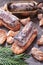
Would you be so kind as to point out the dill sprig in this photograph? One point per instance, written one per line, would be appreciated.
(8, 58)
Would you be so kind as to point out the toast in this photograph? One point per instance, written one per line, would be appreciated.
(3, 36)
(25, 21)
(41, 22)
(12, 33)
(37, 54)
(40, 41)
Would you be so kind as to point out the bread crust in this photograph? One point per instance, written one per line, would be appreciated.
(3, 36)
(37, 54)
(25, 21)
(40, 41)
(10, 40)
(41, 22)
(12, 33)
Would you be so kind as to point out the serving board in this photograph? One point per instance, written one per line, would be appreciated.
(31, 60)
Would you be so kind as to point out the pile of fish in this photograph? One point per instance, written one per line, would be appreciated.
(20, 40)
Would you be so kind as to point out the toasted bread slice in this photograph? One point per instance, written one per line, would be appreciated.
(12, 33)
(40, 41)
(37, 54)
(41, 22)
(25, 21)
(10, 40)
(10, 36)
(3, 36)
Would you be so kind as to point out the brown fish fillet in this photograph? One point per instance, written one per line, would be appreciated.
(24, 9)
(10, 21)
(23, 40)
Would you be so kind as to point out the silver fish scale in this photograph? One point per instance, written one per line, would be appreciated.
(25, 34)
(7, 17)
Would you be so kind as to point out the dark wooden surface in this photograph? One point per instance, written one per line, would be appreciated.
(2, 2)
(31, 60)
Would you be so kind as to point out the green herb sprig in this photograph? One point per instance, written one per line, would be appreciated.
(8, 58)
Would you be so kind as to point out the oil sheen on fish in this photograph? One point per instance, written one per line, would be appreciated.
(8, 19)
(24, 35)
(21, 7)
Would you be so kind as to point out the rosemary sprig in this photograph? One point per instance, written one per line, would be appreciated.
(8, 58)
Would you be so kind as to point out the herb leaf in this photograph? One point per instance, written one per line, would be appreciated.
(8, 58)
